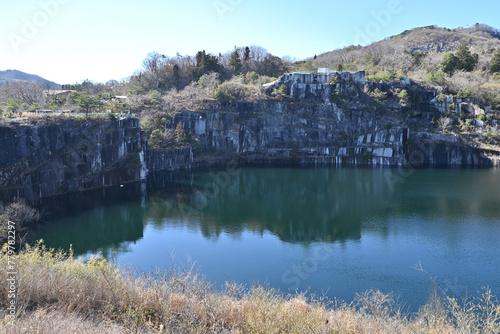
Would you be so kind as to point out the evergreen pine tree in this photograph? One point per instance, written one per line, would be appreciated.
(449, 63)
(246, 55)
(495, 63)
(235, 62)
(465, 59)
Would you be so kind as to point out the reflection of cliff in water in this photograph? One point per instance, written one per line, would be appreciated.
(452, 193)
(104, 229)
(297, 205)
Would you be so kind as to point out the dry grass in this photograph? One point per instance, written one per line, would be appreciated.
(60, 294)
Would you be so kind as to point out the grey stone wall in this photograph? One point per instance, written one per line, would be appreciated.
(323, 133)
(38, 161)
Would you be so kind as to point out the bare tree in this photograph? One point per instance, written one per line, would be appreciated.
(258, 53)
(23, 92)
(154, 62)
(444, 123)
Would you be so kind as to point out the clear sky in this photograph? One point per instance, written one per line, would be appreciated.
(67, 41)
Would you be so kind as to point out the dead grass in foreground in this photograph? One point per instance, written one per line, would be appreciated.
(60, 294)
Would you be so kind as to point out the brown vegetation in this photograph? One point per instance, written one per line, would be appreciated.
(18, 212)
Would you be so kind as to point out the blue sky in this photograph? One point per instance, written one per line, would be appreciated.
(67, 41)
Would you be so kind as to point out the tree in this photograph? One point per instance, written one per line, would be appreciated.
(155, 139)
(235, 62)
(206, 63)
(280, 92)
(87, 103)
(246, 54)
(23, 92)
(462, 60)
(273, 66)
(403, 97)
(153, 62)
(180, 134)
(257, 53)
(11, 105)
(378, 95)
(495, 63)
(35, 106)
(449, 63)
(176, 76)
(465, 59)
(444, 123)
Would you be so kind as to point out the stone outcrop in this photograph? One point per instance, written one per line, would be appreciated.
(169, 160)
(48, 160)
(322, 133)
(311, 133)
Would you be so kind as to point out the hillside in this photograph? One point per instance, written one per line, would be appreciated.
(401, 50)
(418, 54)
(15, 75)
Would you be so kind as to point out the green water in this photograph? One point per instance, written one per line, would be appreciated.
(333, 231)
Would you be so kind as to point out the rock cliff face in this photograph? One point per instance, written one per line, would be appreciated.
(322, 133)
(448, 150)
(308, 133)
(49, 160)
(169, 160)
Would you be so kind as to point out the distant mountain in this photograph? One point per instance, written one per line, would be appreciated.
(15, 75)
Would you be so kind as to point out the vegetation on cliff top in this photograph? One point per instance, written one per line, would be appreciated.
(456, 59)
(58, 293)
(461, 62)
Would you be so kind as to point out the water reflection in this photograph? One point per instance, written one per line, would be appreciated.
(296, 205)
(106, 229)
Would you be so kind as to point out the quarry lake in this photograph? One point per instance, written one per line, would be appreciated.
(332, 231)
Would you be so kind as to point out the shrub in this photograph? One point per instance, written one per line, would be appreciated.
(495, 63)
(155, 139)
(449, 63)
(377, 77)
(110, 116)
(436, 78)
(180, 134)
(466, 125)
(378, 95)
(251, 77)
(18, 212)
(280, 92)
(235, 91)
(444, 123)
(441, 98)
(464, 95)
(403, 97)
(209, 80)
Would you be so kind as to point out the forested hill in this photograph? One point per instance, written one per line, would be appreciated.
(15, 75)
